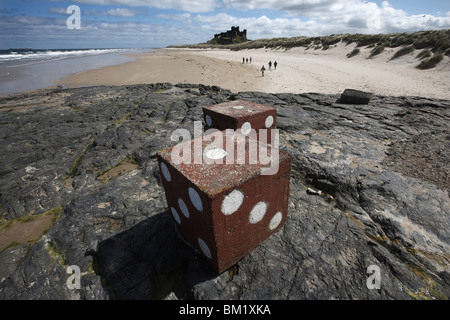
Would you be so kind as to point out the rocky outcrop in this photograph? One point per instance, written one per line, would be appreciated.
(369, 187)
(355, 96)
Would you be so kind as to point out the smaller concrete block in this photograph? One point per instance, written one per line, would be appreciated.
(240, 114)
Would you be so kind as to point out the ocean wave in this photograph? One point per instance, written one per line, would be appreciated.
(48, 54)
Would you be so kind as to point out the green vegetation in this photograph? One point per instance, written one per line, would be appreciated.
(403, 51)
(424, 54)
(123, 167)
(376, 51)
(431, 62)
(353, 53)
(74, 169)
(121, 120)
(6, 224)
(435, 41)
(429, 292)
(55, 213)
(166, 114)
(233, 40)
(55, 253)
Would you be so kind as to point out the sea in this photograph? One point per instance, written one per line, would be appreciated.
(27, 69)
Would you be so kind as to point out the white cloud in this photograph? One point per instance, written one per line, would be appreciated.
(301, 17)
(394, 20)
(257, 27)
(117, 12)
(183, 5)
(57, 10)
(198, 21)
(340, 16)
(183, 17)
(122, 12)
(39, 32)
(301, 7)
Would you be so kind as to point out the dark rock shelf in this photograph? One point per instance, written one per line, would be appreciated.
(381, 168)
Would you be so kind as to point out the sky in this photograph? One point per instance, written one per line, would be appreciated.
(48, 24)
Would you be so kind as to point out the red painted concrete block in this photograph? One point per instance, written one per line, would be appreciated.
(224, 206)
(241, 114)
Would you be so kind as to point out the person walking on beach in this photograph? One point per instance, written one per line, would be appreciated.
(251, 59)
(262, 70)
(275, 65)
(270, 64)
(243, 59)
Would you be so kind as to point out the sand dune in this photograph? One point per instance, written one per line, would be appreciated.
(299, 70)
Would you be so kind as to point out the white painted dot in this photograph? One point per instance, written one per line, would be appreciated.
(216, 154)
(208, 120)
(232, 202)
(195, 199)
(165, 172)
(269, 121)
(238, 107)
(204, 248)
(175, 215)
(274, 223)
(258, 212)
(183, 208)
(246, 128)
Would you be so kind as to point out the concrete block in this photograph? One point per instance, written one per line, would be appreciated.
(241, 114)
(223, 202)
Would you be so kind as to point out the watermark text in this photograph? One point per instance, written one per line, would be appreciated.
(227, 147)
(374, 279)
(74, 21)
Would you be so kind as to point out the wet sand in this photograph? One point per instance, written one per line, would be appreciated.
(174, 66)
(19, 76)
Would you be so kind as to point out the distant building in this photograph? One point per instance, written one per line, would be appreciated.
(231, 36)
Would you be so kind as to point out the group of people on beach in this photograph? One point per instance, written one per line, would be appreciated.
(247, 60)
(270, 67)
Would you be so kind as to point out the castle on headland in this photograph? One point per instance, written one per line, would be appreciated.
(231, 36)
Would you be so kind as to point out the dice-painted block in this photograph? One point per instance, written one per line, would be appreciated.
(241, 114)
(225, 209)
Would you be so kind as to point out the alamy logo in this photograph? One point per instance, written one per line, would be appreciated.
(74, 281)
(227, 147)
(374, 280)
(74, 21)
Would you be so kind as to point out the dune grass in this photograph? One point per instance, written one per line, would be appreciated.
(377, 50)
(353, 53)
(424, 54)
(431, 62)
(433, 40)
(436, 40)
(403, 51)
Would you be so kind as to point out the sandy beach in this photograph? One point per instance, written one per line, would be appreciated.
(299, 70)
